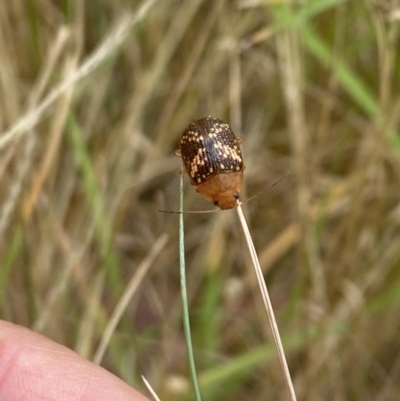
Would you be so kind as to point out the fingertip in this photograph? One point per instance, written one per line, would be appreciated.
(35, 367)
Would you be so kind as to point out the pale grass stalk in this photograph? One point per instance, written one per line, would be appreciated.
(89, 320)
(153, 393)
(56, 132)
(193, 62)
(55, 53)
(290, 60)
(151, 77)
(267, 304)
(46, 314)
(75, 254)
(235, 86)
(113, 41)
(14, 191)
(127, 296)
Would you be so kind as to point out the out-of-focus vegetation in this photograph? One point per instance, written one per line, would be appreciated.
(87, 159)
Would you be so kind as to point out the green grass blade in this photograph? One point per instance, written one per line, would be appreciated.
(353, 85)
(103, 226)
(11, 253)
(285, 19)
(185, 308)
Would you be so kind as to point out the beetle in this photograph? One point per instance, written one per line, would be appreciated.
(212, 158)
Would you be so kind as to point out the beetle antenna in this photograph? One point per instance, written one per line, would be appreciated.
(191, 212)
(266, 189)
(218, 210)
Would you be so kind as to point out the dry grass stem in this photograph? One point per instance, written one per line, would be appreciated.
(152, 392)
(127, 296)
(267, 304)
(110, 44)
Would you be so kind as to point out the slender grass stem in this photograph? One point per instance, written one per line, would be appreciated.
(185, 308)
(267, 304)
(148, 385)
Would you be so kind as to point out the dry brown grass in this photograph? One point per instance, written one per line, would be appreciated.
(93, 100)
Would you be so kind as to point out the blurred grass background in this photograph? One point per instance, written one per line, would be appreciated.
(94, 97)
